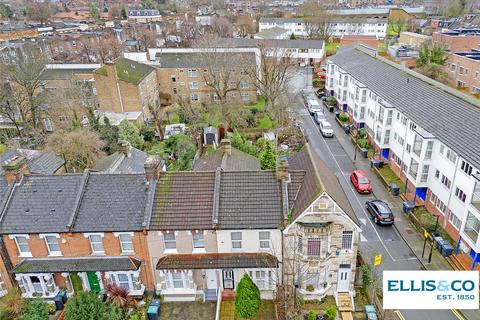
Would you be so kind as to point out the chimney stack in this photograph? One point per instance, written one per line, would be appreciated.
(227, 146)
(124, 147)
(15, 168)
(153, 167)
(282, 169)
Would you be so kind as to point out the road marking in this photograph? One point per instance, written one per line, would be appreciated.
(399, 315)
(457, 314)
(362, 238)
(363, 221)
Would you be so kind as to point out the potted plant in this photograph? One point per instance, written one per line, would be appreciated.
(310, 288)
(331, 102)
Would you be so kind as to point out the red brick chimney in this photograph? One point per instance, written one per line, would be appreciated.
(153, 167)
(15, 168)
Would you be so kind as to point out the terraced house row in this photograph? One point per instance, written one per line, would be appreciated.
(428, 133)
(185, 235)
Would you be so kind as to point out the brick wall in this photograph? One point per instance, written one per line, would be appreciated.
(456, 43)
(107, 91)
(77, 245)
(469, 75)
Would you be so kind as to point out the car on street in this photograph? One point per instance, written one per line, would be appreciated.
(360, 181)
(319, 117)
(326, 129)
(313, 106)
(320, 93)
(380, 212)
(308, 94)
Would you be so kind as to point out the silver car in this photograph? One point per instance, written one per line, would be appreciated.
(326, 129)
(319, 117)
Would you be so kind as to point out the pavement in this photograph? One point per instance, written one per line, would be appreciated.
(401, 245)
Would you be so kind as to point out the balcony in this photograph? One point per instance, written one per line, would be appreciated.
(472, 227)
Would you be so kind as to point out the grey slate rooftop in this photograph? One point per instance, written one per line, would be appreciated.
(46, 163)
(117, 162)
(268, 43)
(237, 161)
(197, 60)
(85, 202)
(452, 120)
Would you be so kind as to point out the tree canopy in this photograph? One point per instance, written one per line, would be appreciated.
(129, 132)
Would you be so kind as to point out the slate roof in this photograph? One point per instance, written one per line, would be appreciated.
(118, 163)
(83, 264)
(450, 119)
(269, 43)
(280, 20)
(9, 154)
(271, 33)
(90, 202)
(217, 261)
(47, 163)
(237, 161)
(183, 200)
(197, 59)
(318, 178)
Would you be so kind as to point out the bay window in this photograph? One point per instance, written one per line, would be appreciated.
(129, 280)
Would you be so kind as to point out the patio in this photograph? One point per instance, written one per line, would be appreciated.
(187, 310)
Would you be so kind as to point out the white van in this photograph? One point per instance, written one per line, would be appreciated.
(313, 106)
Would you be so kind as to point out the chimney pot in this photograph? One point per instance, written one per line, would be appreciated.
(124, 147)
(153, 167)
(15, 168)
(226, 146)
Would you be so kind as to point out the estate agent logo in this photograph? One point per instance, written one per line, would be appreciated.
(430, 289)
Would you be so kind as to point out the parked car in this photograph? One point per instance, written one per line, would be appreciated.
(326, 129)
(320, 93)
(360, 181)
(308, 94)
(380, 211)
(319, 117)
(303, 64)
(313, 106)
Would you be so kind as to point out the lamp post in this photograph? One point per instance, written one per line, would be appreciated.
(431, 247)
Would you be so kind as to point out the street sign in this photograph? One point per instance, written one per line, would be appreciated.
(378, 260)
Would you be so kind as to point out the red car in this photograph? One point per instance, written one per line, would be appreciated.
(321, 75)
(360, 181)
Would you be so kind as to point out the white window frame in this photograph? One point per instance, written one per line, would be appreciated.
(347, 235)
(22, 254)
(89, 236)
(135, 286)
(52, 253)
(192, 73)
(198, 248)
(194, 97)
(193, 85)
(265, 241)
(119, 236)
(263, 282)
(236, 240)
(244, 85)
(174, 241)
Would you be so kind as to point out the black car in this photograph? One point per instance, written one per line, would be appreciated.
(380, 211)
(320, 93)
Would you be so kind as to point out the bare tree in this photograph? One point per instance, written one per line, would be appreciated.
(146, 38)
(25, 76)
(157, 118)
(41, 12)
(222, 27)
(8, 108)
(273, 75)
(114, 12)
(193, 115)
(245, 27)
(109, 48)
(319, 25)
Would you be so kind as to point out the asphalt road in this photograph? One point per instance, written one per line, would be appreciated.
(374, 239)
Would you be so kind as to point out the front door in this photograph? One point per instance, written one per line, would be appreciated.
(228, 279)
(211, 275)
(344, 274)
(93, 282)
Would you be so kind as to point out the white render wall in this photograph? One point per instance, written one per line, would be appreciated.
(402, 128)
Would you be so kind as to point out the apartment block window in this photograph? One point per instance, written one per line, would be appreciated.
(439, 204)
(174, 90)
(460, 194)
(300, 244)
(437, 174)
(404, 120)
(314, 247)
(408, 148)
(446, 182)
(428, 152)
(466, 167)
(389, 117)
(454, 220)
(347, 238)
(22, 246)
(243, 72)
(460, 70)
(169, 240)
(194, 97)
(244, 85)
(236, 238)
(198, 241)
(472, 227)
(386, 138)
(424, 176)
(451, 156)
(174, 79)
(96, 243)
(453, 67)
(476, 75)
(126, 243)
(192, 73)
(264, 237)
(245, 96)
(193, 85)
(52, 245)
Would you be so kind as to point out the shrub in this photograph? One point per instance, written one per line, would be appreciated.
(265, 123)
(310, 288)
(363, 143)
(331, 312)
(362, 133)
(312, 315)
(118, 296)
(316, 83)
(36, 310)
(129, 132)
(366, 275)
(238, 141)
(85, 306)
(247, 298)
(343, 117)
(267, 157)
(331, 101)
(11, 305)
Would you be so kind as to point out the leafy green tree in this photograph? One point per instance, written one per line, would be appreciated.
(292, 36)
(431, 55)
(85, 306)
(129, 132)
(247, 298)
(178, 151)
(267, 157)
(36, 310)
(5, 11)
(241, 143)
(109, 135)
(123, 12)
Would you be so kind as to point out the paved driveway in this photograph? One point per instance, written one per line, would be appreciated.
(187, 310)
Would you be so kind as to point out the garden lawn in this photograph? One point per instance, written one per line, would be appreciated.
(260, 104)
(266, 312)
(320, 305)
(3, 148)
(391, 177)
(331, 47)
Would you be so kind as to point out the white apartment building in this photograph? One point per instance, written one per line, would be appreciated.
(428, 133)
(292, 25)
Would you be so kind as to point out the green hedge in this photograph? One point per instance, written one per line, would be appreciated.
(247, 298)
(343, 117)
